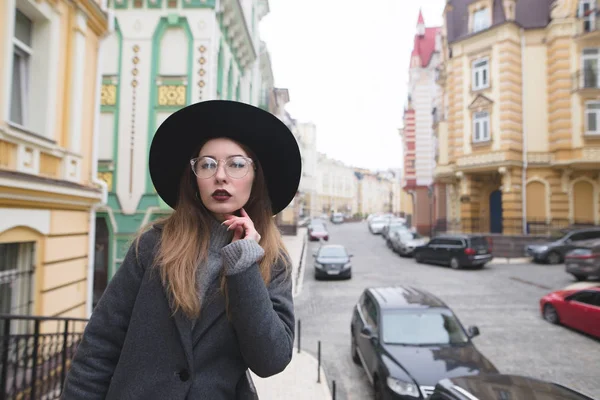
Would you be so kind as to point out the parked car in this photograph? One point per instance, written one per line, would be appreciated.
(504, 386)
(404, 242)
(377, 224)
(333, 260)
(392, 226)
(407, 340)
(317, 231)
(554, 251)
(457, 251)
(337, 218)
(584, 261)
(577, 309)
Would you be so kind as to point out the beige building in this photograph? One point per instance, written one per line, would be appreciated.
(377, 192)
(519, 138)
(49, 108)
(336, 186)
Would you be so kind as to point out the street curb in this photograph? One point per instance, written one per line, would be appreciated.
(324, 381)
(506, 260)
(299, 282)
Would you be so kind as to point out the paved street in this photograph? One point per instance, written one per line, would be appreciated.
(502, 300)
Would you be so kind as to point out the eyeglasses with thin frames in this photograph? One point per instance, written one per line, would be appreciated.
(236, 167)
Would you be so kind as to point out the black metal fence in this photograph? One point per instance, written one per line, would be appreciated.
(537, 227)
(35, 354)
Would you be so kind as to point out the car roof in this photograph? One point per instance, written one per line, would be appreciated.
(457, 236)
(404, 297)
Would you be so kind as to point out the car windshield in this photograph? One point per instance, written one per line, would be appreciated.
(318, 228)
(479, 241)
(332, 252)
(422, 328)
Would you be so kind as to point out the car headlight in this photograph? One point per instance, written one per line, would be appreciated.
(540, 249)
(403, 388)
(318, 265)
(347, 265)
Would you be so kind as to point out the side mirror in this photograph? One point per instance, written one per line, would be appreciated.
(473, 331)
(367, 332)
(315, 255)
(350, 255)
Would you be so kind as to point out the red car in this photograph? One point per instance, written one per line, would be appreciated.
(578, 309)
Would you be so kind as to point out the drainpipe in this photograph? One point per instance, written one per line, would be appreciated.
(95, 180)
(524, 126)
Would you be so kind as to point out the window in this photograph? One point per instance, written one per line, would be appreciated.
(590, 62)
(585, 297)
(587, 10)
(481, 127)
(481, 19)
(22, 52)
(592, 118)
(481, 74)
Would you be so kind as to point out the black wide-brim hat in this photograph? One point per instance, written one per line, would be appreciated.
(181, 134)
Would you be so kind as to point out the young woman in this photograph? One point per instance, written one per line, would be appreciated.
(205, 294)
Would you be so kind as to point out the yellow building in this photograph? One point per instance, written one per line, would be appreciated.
(49, 105)
(520, 109)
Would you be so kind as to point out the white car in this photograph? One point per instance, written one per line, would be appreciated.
(376, 225)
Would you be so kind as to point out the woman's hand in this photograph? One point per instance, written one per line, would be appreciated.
(243, 227)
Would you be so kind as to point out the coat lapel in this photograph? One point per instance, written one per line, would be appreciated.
(184, 325)
(212, 310)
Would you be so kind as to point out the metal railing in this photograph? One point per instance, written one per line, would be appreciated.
(35, 354)
(538, 227)
(586, 79)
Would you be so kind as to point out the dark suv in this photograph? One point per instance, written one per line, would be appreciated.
(554, 251)
(457, 251)
(407, 340)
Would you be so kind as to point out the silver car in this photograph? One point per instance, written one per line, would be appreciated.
(584, 261)
(404, 242)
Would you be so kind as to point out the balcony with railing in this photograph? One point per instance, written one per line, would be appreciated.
(35, 354)
(586, 79)
(588, 20)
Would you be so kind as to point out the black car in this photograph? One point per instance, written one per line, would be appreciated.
(554, 251)
(333, 261)
(407, 340)
(457, 251)
(499, 386)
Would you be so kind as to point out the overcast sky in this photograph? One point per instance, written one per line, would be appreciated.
(345, 63)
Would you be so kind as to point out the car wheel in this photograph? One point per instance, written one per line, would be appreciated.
(354, 351)
(550, 314)
(454, 263)
(553, 258)
(419, 258)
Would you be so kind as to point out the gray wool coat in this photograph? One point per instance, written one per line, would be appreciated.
(134, 349)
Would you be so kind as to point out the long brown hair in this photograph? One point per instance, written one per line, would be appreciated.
(183, 247)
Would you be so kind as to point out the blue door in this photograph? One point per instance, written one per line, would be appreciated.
(496, 212)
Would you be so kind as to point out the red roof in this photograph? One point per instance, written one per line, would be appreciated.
(424, 46)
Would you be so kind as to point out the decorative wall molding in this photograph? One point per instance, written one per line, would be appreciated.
(481, 159)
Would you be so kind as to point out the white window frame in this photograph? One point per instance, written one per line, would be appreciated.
(589, 21)
(590, 56)
(481, 119)
(478, 71)
(25, 53)
(481, 19)
(595, 111)
(42, 69)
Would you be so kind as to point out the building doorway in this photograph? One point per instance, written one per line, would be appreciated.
(101, 256)
(496, 211)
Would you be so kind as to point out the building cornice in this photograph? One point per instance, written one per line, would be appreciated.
(97, 17)
(238, 32)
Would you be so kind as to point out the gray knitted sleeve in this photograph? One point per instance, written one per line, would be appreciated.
(240, 255)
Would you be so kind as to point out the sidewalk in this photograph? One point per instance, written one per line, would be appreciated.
(299, 379)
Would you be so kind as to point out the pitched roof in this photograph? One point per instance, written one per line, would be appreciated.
(530, 14)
